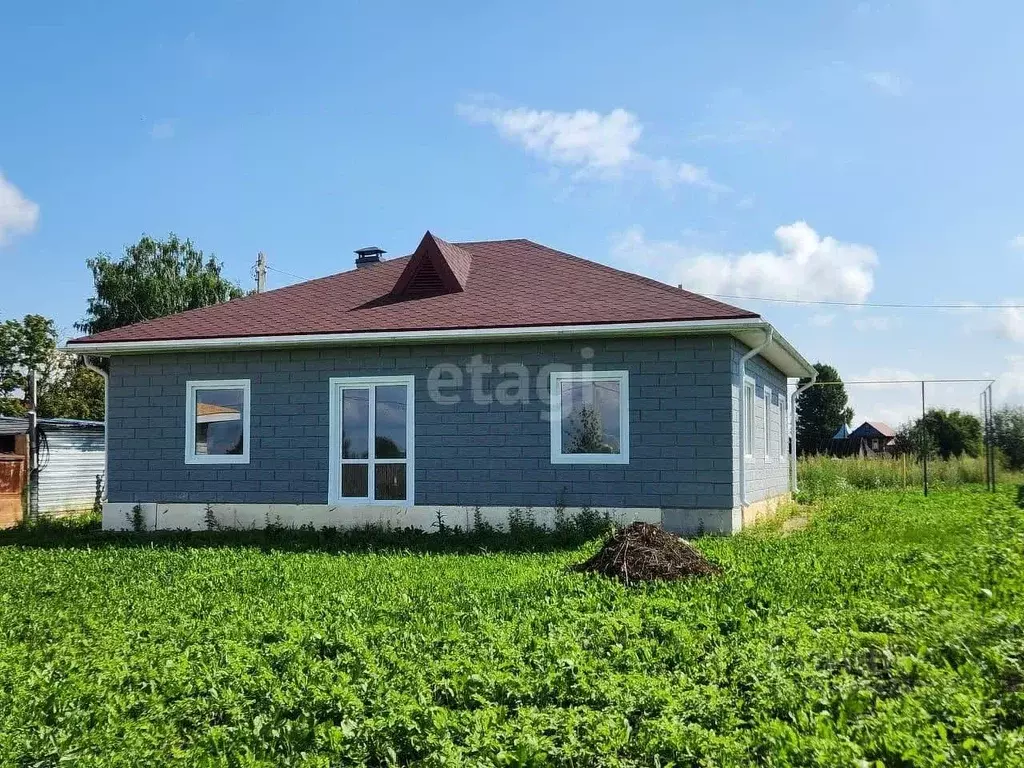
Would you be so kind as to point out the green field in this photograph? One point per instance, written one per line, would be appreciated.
(889, 632)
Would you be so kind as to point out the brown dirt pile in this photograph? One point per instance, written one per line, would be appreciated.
(646, 552)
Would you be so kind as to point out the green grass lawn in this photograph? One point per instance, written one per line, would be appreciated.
(889, 632)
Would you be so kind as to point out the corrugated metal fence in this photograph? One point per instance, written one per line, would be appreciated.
(67, 478)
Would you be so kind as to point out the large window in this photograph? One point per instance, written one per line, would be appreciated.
(767, 423)
(748, 417)
(590, 417)
(217, 422)
(371, 440)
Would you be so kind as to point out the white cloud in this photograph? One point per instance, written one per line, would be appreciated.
(582, 138)
(18, 214)
(823, 320)
(896, 404)
(888, 83)
(757, 131)
(1010, 323)
(162, 129)
(1009, 385)
(593, 143)
(806, 266)
(1017, 242)
(872, 323)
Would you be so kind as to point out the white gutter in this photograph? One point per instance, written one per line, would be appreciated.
(106, 418)
(405, 337)
(798, 366)
(769, 333)
(792, 421)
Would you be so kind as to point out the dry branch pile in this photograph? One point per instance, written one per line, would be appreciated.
(646, 552)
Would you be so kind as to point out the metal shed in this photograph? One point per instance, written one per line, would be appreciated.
(70, 459)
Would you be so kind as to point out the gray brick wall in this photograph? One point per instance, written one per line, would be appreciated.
(767, 468)
(681, 423)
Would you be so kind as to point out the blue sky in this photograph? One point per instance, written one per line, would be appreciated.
(667, 138)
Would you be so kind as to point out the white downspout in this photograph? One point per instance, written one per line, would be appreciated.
(769, 334)
(106, 419)
(792, 422)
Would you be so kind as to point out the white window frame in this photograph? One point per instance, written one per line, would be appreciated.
(783, 432)
(767, 392)
(191, 457)
(748, 416)
(557, 378)
(335, 386)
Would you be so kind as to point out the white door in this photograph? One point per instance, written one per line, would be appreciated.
(372, 446)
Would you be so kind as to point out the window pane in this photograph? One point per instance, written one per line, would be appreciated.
(748, 427)
(590, 417)
(355, 480)
(390, 421)
(389, 482)
(219, 425)
(355, 424)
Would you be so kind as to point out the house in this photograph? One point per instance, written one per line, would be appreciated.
(490, 375)
(873, 438)
(69, 460)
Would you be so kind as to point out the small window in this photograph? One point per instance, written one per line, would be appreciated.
(783, 429)
(590, 417)
(748, 417)
(217, 422)
(767, 422)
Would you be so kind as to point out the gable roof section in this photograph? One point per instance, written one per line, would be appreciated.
(435, 267)
(870, 428)
(515, 283)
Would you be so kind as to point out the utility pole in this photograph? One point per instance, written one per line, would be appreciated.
(924, 442)
(33, 442)
(261, 272)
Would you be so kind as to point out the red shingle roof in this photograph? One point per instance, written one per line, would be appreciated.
(510, 283)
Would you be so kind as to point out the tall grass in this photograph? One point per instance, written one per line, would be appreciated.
(821, 476)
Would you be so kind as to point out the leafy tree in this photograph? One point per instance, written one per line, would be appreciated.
(154, 278)
(1008, 428)
(821, 410)
(24, 345)
(71, 392)
(946, 434)
(586, 431)
(64, 387)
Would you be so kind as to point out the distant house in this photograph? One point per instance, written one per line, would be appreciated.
(873, 438)
(464, 378)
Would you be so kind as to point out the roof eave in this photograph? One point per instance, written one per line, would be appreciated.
(781, 353)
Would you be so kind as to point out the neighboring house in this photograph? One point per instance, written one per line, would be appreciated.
(873, 438)
(419, 386)
(70, 458)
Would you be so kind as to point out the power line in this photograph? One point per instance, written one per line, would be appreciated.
(866, 304)
(905, 381)
(283, 272)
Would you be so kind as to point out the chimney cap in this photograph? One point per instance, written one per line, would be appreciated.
(369, 255)
(370, 250)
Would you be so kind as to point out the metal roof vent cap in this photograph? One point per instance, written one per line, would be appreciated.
(369, 256)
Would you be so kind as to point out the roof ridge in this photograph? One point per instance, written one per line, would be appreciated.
(649, 281)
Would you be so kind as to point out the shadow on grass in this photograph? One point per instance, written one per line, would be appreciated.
(524, 537)
(1020, 496)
